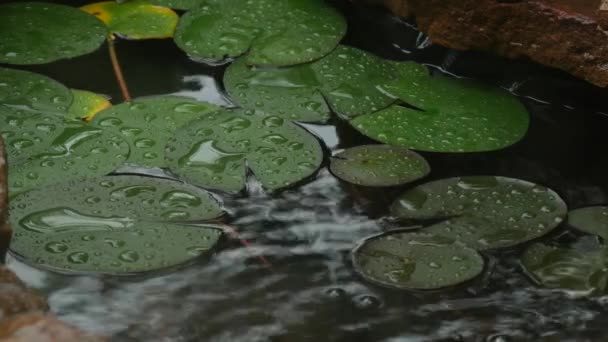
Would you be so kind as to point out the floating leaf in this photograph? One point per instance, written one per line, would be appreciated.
(350, 80)
(455, 116)
(72, 150)
(379, 165)
(31, 92)
(215, 150)
(37, 33)
(116, 224)
(86, 104)
(135, 19)
(28, 134)
(484, 212)
(562, 268)
(177, 4)
(147, 123)
(271, 32)
(592, 220)
(416, 261)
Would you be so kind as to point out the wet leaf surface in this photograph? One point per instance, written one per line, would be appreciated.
(271, 32)
(147, 123)
(136, 19)
(117, 224)
(592, 220)
(86, 104)
(216, 150)
(177, 4)
(416, 261)
(568, 269)
(38, 33)
(484, 212)
(378, 165)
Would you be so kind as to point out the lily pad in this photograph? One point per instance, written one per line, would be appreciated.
(350, 80)
(215, 150)
(561, 268)
(177, 4)
(379, 165)
(72, 150)
(86, 104)
(40, 32)
(148, 122)
(412, 261)
(135, 19)
(484, 212)
(118, 224)
(455, 116)
(592, 220)
(271, 32)
(30, 92)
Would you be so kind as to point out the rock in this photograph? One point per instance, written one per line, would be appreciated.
(5, 231)
(16, 298)
(571, 35)
(41, 328)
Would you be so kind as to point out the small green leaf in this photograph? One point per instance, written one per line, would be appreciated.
(483, 212)
(271, 32)
(148, 122)
(412, 261)
(40, 32)
(30, 92)
(118, 224)
(215, 150)
(86, 104)
(560, 268)
(455, 116)
(67, 150)
(379, 165)
(592, 220)
(135, 19)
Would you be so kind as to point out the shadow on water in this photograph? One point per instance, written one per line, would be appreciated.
(311, 292)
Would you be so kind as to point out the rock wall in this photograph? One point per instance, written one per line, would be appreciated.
(571, 35)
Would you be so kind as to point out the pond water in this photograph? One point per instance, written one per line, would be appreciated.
(311, 293)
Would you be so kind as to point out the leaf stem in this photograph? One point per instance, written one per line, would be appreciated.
(118, 71)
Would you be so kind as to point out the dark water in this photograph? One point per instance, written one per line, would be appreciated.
(311, 292)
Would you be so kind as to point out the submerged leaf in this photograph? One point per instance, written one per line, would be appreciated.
(567, 269)
(379, 165)
(215, 150)
(592, 220)
(147, 123)
(416, 261)
(135, 19)
(30, 92)
(271, 32)
(483, 212)
(118, 224)
(455, 116)
(40, 32)
(86, 104)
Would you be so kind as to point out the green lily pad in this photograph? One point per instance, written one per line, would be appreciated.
(148, 122)
(271, 32)
(592, 220)
(350, 80)
(72, 150)
(40, 32)
(28, 91)
(413, 261)
(149, 247)
(379, 165)
(177, 4)
(86, 105)
(455, 116)
(135, 19)
(118, 224)
(28, 135)
(561, 268)
(484, 212)
(216, 150)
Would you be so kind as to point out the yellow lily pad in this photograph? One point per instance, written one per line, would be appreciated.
(135, 19)
(86, 104)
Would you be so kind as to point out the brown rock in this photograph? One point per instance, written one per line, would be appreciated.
(15, 297)
(571, 35)
(41, 328)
